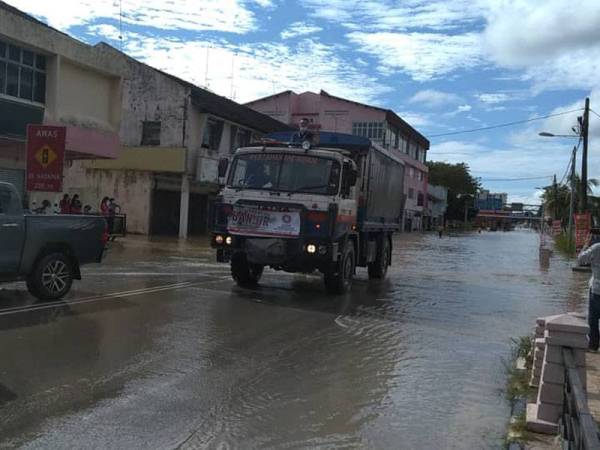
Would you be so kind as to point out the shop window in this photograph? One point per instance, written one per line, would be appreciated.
(411, 193)
(151, 132)
(420, 198)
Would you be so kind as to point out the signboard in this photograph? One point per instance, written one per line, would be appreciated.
(45, 157)
(583, 225)
(556, 227)
(258, 222)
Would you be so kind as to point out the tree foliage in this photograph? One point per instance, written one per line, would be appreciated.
(462, 187)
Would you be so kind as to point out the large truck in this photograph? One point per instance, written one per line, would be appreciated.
(329, 202)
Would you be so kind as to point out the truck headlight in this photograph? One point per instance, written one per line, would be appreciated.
(228, 240)
(219, 239)
(311, 248)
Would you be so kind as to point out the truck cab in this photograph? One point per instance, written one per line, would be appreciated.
(293, 208)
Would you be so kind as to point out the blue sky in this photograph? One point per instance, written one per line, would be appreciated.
(442, 66)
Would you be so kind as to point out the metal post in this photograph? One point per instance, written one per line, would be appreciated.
(573, 189)
(466, 213)
(555, 190)
(584, 155)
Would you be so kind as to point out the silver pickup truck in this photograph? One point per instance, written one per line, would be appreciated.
(46, 251)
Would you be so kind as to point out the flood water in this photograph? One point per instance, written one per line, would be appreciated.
(414, 362)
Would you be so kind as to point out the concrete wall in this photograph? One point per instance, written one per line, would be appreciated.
(131, 189)
(278, 107)
(149, 95)
(86, 97)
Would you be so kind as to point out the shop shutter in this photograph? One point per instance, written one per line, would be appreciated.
(14, 177)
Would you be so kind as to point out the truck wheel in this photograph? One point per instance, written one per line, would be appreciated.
(51, 277)
(378, 268)
(243, 272)
(340, 282)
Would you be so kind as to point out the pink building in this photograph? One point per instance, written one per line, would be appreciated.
(382, 126)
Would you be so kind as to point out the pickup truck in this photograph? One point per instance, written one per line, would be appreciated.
(46, 251)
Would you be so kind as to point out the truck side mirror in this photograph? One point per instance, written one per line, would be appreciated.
(223, 164)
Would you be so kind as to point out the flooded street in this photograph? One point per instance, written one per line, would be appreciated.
(157, 348)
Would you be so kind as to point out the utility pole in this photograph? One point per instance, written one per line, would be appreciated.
(584, 155)
(555, 191)
(466, 212)
(573, 189)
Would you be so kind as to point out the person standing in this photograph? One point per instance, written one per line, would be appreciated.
(590, 254)
(113, 209)
(104, 207)
(65, 204)
(75, 205)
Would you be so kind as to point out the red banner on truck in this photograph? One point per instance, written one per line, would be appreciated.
(583, 226)
(45, 157)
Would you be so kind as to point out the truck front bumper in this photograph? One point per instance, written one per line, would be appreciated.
(297, 254)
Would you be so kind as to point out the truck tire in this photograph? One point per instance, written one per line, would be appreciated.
(243, 272)
(340, 282)
(378, 268)
(52, 277)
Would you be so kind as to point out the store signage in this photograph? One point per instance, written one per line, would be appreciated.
(45, 157)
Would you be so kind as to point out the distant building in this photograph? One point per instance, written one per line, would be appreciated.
(438, 203)
(487, 200)
(382, 126)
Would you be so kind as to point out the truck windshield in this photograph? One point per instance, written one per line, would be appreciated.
(284, 172)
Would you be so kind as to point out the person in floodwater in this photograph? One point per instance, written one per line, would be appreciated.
(590, 254)
(440, 230)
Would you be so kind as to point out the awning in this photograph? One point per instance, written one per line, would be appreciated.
(89, 143)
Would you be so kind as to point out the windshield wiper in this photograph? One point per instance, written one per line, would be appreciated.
(304, 188)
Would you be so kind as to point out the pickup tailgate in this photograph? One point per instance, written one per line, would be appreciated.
(83, 235)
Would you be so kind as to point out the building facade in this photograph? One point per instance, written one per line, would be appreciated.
(172, 136)
(144, 137)
(383, 126)
(44, 75)
(487, 200)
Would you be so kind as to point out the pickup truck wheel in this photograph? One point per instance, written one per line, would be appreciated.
(340, 282)
(51, 278)
(378, 268)
(243, 272)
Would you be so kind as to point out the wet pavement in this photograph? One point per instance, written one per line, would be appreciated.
(157, 348)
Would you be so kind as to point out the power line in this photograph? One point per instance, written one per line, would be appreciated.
(516, 179)
(502, 125)
(594, 112)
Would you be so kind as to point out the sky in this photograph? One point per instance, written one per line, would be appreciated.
(443, 66)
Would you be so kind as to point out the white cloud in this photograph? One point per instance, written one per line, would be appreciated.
(557, 43)
(432, 98)
(423, 56)
(299, 29)
(219, 15)
(464, 108)
(258, 69)
(493, 98)
(414, 119)
(385, 15)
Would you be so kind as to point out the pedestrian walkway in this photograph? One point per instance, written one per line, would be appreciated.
(593, 384)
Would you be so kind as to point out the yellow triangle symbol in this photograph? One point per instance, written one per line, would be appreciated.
(45, 156)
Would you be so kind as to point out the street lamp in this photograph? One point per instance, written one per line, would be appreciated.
(546, 134)
(581, 132)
